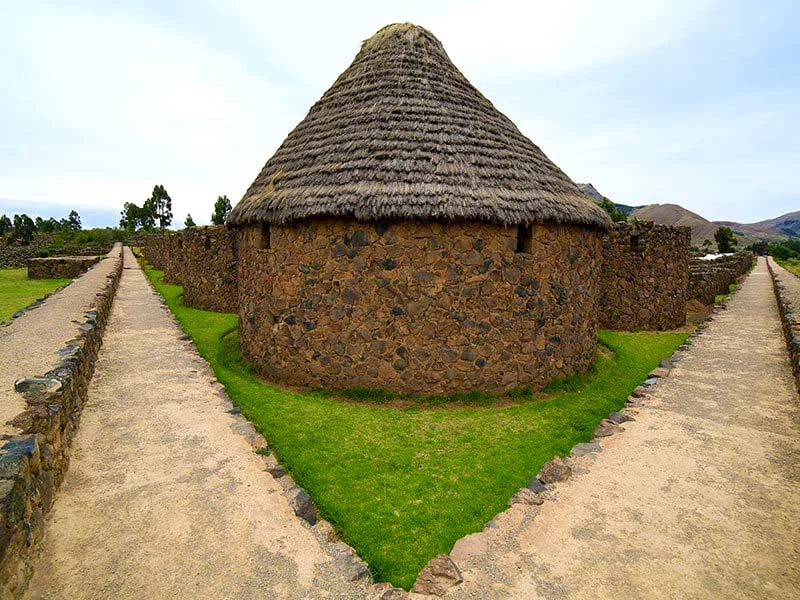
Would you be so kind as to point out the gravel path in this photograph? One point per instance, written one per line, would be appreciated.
(29, 343)
(162, 498)
(698, 498)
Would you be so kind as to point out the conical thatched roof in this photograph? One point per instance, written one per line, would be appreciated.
(403, 134)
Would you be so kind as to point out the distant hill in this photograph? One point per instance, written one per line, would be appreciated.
(703, 229)
(591, 192)
(787, 225)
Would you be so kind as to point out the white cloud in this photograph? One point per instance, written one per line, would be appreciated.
(135, 106)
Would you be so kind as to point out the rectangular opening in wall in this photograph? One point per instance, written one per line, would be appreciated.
(636, 243)
(525, 238)
(263, 237)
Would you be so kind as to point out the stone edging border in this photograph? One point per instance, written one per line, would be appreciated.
(33, 464)
(790, 320)
(441, 573)
(351, 566)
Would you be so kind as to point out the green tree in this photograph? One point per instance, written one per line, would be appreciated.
(782, 252)
(161, 205)
(707, 245)
(222, 208)
(24, 228)
(129, 217)
(189, 222)
(73, 221)
(616, 214)
(5, 225)
(726, 241)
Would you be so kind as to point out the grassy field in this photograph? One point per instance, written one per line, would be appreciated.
(791, 264)
(403, 485)
(17, 291)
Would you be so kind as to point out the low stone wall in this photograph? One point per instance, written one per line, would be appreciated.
(64, 267)
(787, 292)
(202, 260)
(707, 278)
(33, 464)
(16, 257)
(645, 277)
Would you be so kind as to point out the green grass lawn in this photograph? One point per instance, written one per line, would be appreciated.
(17, 291)
(403, 485)
(790, 264)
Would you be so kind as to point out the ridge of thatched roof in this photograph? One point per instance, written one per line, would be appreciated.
(402, 134)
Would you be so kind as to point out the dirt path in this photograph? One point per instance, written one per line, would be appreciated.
(28, 345)
(698, 498)
(162, 498)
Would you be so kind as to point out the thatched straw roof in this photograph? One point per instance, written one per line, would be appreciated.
(403, 134)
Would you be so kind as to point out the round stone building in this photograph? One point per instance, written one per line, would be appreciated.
(406, 236)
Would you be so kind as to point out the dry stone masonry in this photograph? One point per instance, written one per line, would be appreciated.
(63, 267)
(644, 277)
(202, 260)
(708, 278)
(417, 307)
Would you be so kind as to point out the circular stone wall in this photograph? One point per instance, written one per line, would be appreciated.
(417, 307)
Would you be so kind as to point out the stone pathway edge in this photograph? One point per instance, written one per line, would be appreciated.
(33, 464)
(442, 572)
(347, 560)
(790, 319)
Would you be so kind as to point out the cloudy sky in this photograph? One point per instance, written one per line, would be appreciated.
(695, 102)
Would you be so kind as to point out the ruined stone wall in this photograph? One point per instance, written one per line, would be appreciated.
(645, 277)
(209, 268)
(65, 267)
(202, 260)
(13, 256)
(430, 308)
(707, 278)
(165, 252)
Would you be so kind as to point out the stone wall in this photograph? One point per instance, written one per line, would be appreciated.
(165, 252)
(645, 276)
(33, 464)
(430, 308)
(209, 268)
(708, 278)
(202, 260)
(13, 256)
(64, 267)
(787, 292)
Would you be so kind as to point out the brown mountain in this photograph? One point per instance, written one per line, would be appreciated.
(703, 229)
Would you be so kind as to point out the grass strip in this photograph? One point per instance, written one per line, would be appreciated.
(17, 291)
(403, 485)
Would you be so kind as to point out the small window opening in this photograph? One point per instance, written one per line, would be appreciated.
(207, 243)
(524, 238)
(636, 243)
(263, 238)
